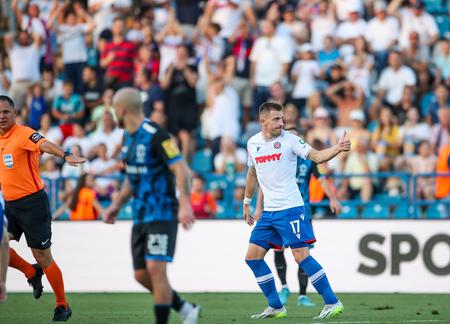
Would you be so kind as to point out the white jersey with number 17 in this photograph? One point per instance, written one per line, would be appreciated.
(275, 162)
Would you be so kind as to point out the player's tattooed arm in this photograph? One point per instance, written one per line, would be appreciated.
(183, 178)
(125, 193)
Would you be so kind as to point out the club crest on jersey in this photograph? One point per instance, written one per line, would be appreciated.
(8, 160)
(140, 153)
(277, 145)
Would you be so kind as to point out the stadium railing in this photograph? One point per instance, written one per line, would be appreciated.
(404, 204)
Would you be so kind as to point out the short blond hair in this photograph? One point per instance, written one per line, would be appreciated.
(130, 99)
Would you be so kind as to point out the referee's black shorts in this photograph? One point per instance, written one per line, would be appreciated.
(31, 215)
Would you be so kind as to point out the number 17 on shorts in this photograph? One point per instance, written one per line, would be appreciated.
(295, 224)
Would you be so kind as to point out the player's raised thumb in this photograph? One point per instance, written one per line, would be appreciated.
(344, 137)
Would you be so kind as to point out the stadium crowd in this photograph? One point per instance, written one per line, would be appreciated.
(378, 70)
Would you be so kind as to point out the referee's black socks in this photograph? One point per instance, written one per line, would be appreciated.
(162, 313)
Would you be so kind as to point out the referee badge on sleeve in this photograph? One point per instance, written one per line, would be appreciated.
(8, 160)
(35, 137)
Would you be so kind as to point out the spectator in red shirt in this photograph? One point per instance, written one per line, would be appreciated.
(203, 203)
(118, 57)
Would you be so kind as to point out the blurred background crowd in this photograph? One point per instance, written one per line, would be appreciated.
(379, 70)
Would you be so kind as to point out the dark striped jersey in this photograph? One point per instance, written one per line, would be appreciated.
(122, 66)
(305, 168)
(147, 154)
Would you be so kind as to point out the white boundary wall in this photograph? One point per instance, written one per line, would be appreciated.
(96, 257)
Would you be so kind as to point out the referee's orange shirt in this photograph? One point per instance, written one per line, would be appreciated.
(19, 164)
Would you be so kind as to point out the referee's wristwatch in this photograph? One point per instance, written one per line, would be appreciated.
(66, 154)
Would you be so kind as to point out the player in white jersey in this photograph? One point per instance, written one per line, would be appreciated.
(4, 251)
(272, 162)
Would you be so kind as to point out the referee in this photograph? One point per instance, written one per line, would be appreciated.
(27, 207)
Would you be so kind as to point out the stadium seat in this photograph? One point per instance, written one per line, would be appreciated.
(202, 161)
(348, 212)
(376, 210)
(64, 216)
(435, 6)
(437, 211)
(222, 210)
(402, 211)
(443, 23)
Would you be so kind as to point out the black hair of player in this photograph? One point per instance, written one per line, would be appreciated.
(267, 107)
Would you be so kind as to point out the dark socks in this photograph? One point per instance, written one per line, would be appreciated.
(280, 265)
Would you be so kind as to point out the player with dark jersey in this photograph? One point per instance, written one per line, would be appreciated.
(153, 162)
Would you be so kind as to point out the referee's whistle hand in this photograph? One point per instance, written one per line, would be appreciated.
(74, 160)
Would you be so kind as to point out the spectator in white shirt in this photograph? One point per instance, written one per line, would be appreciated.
(418, 20)
(442, 58)
(78, 138)
(348, 30)
(109, 134)
(104, 12)
(221, 115)
(168, 39)
(104, 168)
(394, 79)
(304, 74)
(53, 87)
(322, 25)
(24, 58)
(382, 33)
(344, 7)
(29, 19)
(5, 78)
(270, 60)
(227, 14)
(413, 131)
(416, 55)
(231, 159)
(74, 24)
(292, 30)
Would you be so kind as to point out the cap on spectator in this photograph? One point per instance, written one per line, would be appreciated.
(321, 112)
(357, 115)
(289, 8)
(354, 7)
(379, 6)
(307, 47)
(418, 4)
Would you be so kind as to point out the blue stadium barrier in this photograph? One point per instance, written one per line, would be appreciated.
(202, 162)
(382, 206)
(376, 210)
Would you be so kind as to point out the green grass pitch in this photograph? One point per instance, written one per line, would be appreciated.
(222, 308)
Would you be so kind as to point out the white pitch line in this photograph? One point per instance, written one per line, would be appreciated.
(370, 322)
